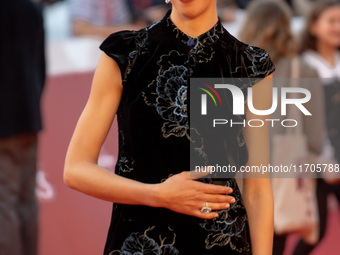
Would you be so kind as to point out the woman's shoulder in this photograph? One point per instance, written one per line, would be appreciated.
(125, 46)
(121, 46)
(126, 41)
(122, 40)
(256, 61)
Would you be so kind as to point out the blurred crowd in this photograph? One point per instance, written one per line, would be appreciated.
(90, 17)
(104, 17)
(313, 54)
(100, 18)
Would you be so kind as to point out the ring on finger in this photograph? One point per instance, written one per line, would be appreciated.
(206, 209)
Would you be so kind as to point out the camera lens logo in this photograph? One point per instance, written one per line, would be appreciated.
(204, 98)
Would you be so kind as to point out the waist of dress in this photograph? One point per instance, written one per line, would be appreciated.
(151, 215)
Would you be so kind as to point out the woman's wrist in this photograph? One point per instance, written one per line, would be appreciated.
(154, 198)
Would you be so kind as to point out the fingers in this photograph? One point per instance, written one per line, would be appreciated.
(218, 198)
(213, 188)
(208, 188)
(214, 207)
(196, 195)
(223, 203)
(207, 216)
(194, 175)
(218, 206)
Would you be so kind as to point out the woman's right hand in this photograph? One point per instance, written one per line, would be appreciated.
(182, 194)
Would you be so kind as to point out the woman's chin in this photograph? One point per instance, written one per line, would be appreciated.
(193, 8)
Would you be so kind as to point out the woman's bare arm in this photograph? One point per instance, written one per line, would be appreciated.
(257, 193)
(178, 193)
(81, 169)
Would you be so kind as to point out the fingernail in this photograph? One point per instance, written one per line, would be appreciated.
(232, 200)
(227, 206)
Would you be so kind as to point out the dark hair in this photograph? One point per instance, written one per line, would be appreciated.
(267, 26)
(308, 41)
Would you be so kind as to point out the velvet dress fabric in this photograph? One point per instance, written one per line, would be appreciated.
(156, 64)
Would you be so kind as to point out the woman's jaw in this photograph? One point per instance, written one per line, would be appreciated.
(194, 9)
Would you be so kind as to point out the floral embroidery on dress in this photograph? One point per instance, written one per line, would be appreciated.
(140, 244)
(172, 91)
(261, 63)
(200, 54)
(226, 229)
(172, 60)
(168, 94)
(125, 163)
(169, 91)
(171, 102)
(141, 41)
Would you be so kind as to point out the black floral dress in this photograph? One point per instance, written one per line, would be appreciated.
(156, 64)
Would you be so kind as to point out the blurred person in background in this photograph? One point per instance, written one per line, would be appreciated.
(299, 7)
(22, 75)
(242, 3)
(100, 17)
(320, 49)
(227, 10)
(267, 25)
(147, 12)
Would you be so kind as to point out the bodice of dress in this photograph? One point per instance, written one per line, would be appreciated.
(156, 64)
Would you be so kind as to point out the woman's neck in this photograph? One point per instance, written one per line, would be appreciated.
(195, 26)
(327, 52)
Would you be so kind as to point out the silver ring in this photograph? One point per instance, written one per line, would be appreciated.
(206, 209)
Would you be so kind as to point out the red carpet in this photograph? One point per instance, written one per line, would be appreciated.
(75, 224)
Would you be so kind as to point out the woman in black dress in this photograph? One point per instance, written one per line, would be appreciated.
(143, 77)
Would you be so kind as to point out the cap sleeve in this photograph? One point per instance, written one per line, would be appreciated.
(254, 65)
(257, 63)
(120, 47)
